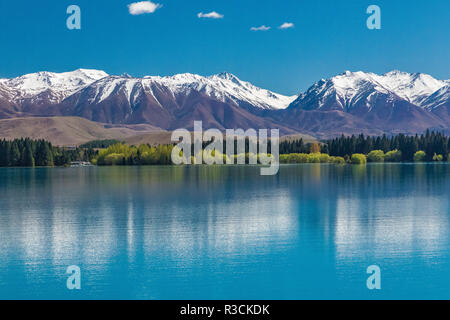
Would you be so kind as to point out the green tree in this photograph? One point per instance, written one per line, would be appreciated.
(5, 148)
(420, 156)
(44, 156)
(27, 156)
(438, 157)
(375, 156)
(358, 158)
(14, 159)
(393, 156)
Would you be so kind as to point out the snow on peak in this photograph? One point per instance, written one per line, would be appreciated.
(89, 73)
(440, 97)
(61, 84)
(351, 81)
(107, 86)
(225, 87)
(413, 87)
(348, 86)
(226, 76)
(350, 89)
(249, 93)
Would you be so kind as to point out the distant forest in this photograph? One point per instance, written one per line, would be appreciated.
(39, 153)
(99, 144)
(430, 146)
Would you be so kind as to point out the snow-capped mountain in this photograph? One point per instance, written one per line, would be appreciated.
(438, 99)
(412, 87)
(439, 103)
(61, 85)
(223, 87)
(160, 101)
(392, 102)
(350, 90)
(226, 87)
(351, 102)
(165, 101)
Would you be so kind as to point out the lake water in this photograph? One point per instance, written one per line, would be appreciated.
(226, 232)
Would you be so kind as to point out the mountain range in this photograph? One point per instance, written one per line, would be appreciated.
(349, 103)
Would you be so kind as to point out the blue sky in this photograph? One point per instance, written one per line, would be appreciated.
(328, 38)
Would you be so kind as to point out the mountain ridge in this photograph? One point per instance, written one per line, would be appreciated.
(347, 103)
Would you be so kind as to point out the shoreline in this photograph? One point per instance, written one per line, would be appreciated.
(235, 165)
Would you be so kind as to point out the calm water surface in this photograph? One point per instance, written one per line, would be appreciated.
(226, 232)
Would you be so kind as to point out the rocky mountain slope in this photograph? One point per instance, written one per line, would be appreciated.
(351, 102)
(393, 102)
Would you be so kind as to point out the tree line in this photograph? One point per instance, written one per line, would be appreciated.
(431, 146)
(26, 152)
(99, 144)
(122, 154)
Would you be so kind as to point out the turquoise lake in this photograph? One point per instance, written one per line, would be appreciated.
(226, 232)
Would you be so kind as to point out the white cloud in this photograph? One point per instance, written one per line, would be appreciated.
(142, 7)
(210, 15)
(262, 28)
(287, 25)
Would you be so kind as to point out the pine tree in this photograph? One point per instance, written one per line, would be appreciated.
(4, 153)
(14, 159)
(44, 156)
(28, 159)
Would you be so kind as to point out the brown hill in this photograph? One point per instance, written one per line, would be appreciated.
(68, 131)
(164, 137)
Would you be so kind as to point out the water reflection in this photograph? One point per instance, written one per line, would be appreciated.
(406, 232)
(135, 229)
